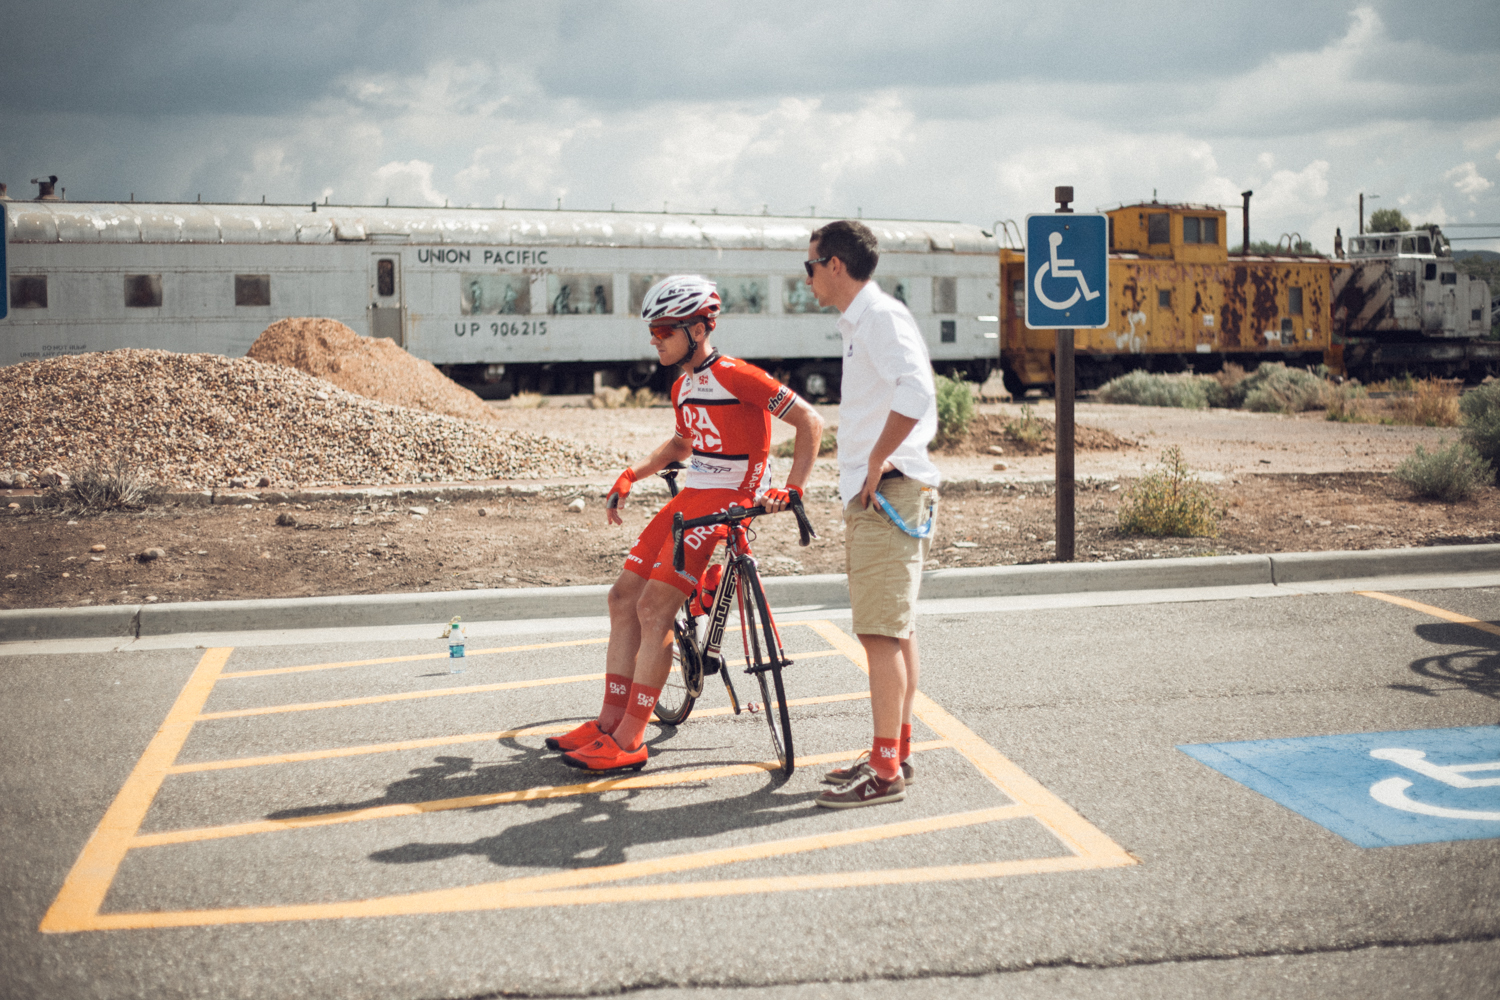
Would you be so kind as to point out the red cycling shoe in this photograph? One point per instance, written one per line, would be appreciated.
(604, 754)
(576, 739)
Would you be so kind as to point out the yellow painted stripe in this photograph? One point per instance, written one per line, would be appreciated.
(273, 671)
(1428, 609)
(314, 706)
(87, 883)
(443, 741)
(1063, 820)
(660, 779)
(562, 888)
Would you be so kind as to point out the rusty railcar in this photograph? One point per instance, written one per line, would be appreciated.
(1178, 301)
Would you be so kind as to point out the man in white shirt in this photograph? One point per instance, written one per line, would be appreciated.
(887, 415)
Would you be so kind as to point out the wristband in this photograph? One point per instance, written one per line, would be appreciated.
(621, 489)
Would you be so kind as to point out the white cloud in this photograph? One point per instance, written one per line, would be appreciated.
(408, 183)
(1466, 178)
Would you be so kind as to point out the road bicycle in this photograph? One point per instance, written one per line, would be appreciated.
(699, 628)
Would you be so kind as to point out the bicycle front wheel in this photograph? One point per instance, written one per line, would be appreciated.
(685, 682)
(763, 657)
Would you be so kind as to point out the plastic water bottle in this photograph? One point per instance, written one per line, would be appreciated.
(454, 633)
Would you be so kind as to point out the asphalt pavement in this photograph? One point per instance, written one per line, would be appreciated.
(1117, 795)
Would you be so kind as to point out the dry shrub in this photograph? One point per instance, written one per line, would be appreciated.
(1170, 502)
(955, 408)
(1275, 388)
(105, 484)
(614, 398)
(1149, 389)
(1028, 430)
(1349, 403)
(1481, 410)
(528, 401)
(1452, 473)
(1433, 403)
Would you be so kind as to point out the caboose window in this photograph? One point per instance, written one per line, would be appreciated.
(1294, 301)
(1191, 225)
(1159, 228)
(28, 291)
(1164, 298)
(1211, 231)
(252, 289)
(142, 291)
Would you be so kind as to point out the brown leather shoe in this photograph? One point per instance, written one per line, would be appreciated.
(868, 789)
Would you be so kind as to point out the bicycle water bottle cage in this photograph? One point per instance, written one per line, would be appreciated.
(925, 531)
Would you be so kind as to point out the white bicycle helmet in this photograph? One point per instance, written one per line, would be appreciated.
(682, 296)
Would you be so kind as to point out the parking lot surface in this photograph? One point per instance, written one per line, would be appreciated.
(320, 816)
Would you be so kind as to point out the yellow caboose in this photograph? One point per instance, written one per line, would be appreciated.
(1179, 301)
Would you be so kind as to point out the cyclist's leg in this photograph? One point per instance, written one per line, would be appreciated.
(619, 664)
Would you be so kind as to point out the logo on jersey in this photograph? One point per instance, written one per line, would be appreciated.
(778, 399)
(703, 379)
(706, 437)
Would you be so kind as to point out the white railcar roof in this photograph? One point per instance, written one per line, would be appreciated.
(90, 222)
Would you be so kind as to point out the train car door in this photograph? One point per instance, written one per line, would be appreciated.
(387, 306)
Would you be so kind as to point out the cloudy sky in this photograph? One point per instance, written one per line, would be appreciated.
(951, 110)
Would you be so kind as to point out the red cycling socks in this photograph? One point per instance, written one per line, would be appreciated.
(884, 759)
(616, 695)
(905, 751)
(632, 729)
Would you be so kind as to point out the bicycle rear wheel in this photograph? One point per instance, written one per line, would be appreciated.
(763, 657)
(685, 683)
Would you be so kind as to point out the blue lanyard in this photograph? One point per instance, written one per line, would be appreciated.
(885, 505)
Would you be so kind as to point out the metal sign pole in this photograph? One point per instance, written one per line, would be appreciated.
(1062, 394)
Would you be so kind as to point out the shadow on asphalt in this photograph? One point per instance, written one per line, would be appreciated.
(594, 833)
(1475, 668)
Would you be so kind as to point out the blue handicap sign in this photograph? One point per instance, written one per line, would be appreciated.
(1420, 786)
(1067, 271)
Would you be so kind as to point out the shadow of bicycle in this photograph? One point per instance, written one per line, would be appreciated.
(1476, 667)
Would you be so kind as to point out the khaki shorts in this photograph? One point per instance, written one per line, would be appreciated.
(884, 563)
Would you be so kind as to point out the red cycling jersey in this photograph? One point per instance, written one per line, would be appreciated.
(724, 409)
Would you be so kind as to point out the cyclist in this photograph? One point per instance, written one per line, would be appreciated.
(724, 409)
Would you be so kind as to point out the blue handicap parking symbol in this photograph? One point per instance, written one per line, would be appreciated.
(1067, 271)
(1420, 786)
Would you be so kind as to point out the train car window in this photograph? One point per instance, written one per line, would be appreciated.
(1018, 297)
(252, 289)
(640, 284)
(1408, 244)
(1111, 232)
(1164, 298)
(1287, 333)
(945, 295)
(948, 331)
(580, 294)
(1429, 272)
(1389, 246)
(1191, 226)
(1211, 231)
(1294, 301)
(28, 291)
(741, 294)
(1476, 315)
(796, 297)
(1159, 228)
(895, 288)
(1449, 278)
(142, 291)
(1424, 245)
(494, 294)
(385, 277)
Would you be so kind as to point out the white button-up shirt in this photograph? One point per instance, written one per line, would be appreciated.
(886, 367)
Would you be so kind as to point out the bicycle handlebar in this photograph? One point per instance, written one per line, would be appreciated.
(733, 515)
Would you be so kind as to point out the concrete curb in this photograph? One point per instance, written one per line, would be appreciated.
(828, 590)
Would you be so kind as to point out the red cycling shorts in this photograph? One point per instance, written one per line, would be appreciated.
(651, 555)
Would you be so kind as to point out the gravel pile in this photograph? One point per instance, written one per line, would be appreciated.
(370, 366)
(197, 421)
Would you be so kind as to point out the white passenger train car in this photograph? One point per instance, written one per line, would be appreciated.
(503, 299)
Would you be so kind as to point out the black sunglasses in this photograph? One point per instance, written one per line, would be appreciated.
(808, 264)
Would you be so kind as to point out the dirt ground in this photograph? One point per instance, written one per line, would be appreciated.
(1285, 484)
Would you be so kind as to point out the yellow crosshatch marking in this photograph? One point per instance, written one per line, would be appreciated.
(78, 905)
